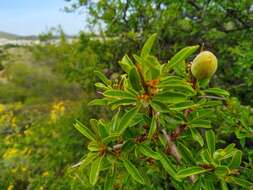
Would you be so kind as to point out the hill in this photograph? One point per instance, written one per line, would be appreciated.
(9, 36)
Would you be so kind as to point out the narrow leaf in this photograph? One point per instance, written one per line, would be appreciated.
(197, 136)
(201, 123)
(108, 185)
(93, 146)
(239, 181)
(135, 79)
(236, 159)
(210, 140)
(118, 94)
(102, 77)
(186, 153)
(94, 171)
(145, 150)
(167, 165)
(133, 171)
(170, 97)
(180, 56)
(217, 91)
(127, 119)
(126, 64)
(183, 173)
(221, 171)
(88, 159)
(98, 102)
(85, 131)
(148, 45)
(152, 129)
(223, 185)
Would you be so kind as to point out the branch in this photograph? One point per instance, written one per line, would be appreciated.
(194, 4)
(171, 146)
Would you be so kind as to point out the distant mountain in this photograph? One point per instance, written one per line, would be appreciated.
(9, 36)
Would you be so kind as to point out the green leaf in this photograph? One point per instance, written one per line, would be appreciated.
(186, 172)
(133, 171)
(101, 86)
(126, 64)
(208, 184)
(170, 80)
(115, 121)
(178, 86)
(93, 146)
(221, 171)
(94, 171)
(148, 45)
(88, 159)
(102, 77)
(135, 79)
(152, 128)
(108, 185)
(111, 138)
(170, 97)
(180, 56)
(205, 155)
(126, 120)
(239, 181)
(196, 185)
(98, 102)
(210, 140)
(159, 106)
(236, 159)
(145, 150)
(201, 123)
(119, 94)
(217, 91)
(182, 105)
(186, 153)
(122, 102)
(151, 67)
(223, 185)
(84, 130)
(197, 136)
(222, 154)
(167, 164)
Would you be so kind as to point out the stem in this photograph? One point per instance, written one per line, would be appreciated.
(143, 82)
(116, 146)
(171, 146)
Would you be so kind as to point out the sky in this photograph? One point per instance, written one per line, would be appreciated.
(32, 17)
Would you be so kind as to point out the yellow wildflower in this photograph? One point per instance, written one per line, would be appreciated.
(10, 187)
(2, 107)
(10, 152)
(58, 110)
(45, 174)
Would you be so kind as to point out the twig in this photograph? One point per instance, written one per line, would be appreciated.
(171, 146)
(78, 164)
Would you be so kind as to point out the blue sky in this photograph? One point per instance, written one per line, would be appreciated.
(28, 17)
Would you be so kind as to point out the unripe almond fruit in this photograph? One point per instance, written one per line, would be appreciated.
(204, 65)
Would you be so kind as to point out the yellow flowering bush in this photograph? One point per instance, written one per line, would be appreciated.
(58, 110)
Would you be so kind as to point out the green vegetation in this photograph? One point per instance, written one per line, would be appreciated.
(123, 109)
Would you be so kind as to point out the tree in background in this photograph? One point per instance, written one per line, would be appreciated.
(225, 27)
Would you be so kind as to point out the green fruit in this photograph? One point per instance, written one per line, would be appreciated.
(204, 65)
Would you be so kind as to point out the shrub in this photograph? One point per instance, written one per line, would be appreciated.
(169, 130)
